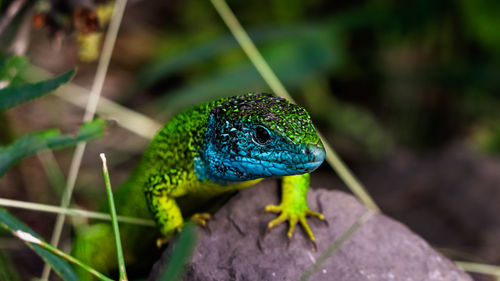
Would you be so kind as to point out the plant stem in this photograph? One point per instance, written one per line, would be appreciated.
(479, 268)
(71, 212)
(11, 12)
(95, 94)
(114, 221)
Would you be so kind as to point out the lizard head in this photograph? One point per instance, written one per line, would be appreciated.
(259, 135)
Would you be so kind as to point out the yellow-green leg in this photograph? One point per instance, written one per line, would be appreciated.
(167, 215)
(293, 205)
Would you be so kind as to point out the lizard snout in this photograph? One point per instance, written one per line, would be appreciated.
(315, 151)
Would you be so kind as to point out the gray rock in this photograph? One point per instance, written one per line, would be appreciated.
(238, 247)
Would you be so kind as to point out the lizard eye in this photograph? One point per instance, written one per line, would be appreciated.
(261, 135)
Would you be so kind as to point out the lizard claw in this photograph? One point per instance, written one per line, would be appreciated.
(315, 247)
(162, 241)
(201, 218)
(273, 209)
(315, 214)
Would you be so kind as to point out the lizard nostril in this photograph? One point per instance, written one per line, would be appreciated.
(307, 151)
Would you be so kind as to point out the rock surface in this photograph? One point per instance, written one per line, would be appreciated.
(238, 247)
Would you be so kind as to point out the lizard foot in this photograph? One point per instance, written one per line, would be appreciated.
(201, 218)
(165, 239)
(162, 241)
(293, 216)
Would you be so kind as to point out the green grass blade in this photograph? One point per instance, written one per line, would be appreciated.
(12, 224)
(114, 221)
(493, 270)
(52, 139)
(182, 250)
(14, 95)
(43, 249)
(60, 266)
(249, 47)
(73, 212)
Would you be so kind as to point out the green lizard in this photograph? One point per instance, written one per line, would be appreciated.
(210, 149)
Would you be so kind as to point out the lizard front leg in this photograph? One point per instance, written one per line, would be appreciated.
(166, 213)
(293, 205)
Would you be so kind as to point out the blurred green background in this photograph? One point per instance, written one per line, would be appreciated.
(408, 92)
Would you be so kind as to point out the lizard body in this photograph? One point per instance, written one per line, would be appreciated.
(221, 146)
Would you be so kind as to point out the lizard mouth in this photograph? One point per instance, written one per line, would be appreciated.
(300, 160)
(310, 165)
(265, 168)
(309, 158)
(315, 151)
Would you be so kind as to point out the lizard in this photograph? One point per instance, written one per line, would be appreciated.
(214, 148)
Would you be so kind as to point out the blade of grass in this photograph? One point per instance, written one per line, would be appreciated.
(249, 48)
(114, 221)
(72, 212)
(183, 249)
(487, 269)
(11, 12)
(274, 83)
(30, 239)
(95, 94)
(13, 225)
(57, 259)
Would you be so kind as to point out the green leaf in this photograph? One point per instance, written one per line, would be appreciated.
(60, 266)
(14, 95)
(182, 250)
(11, 68)
(52, 139)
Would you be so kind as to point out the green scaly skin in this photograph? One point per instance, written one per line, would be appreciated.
(192, 158)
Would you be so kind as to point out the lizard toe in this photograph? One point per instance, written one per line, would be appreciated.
(201, 218)
(273, 209)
